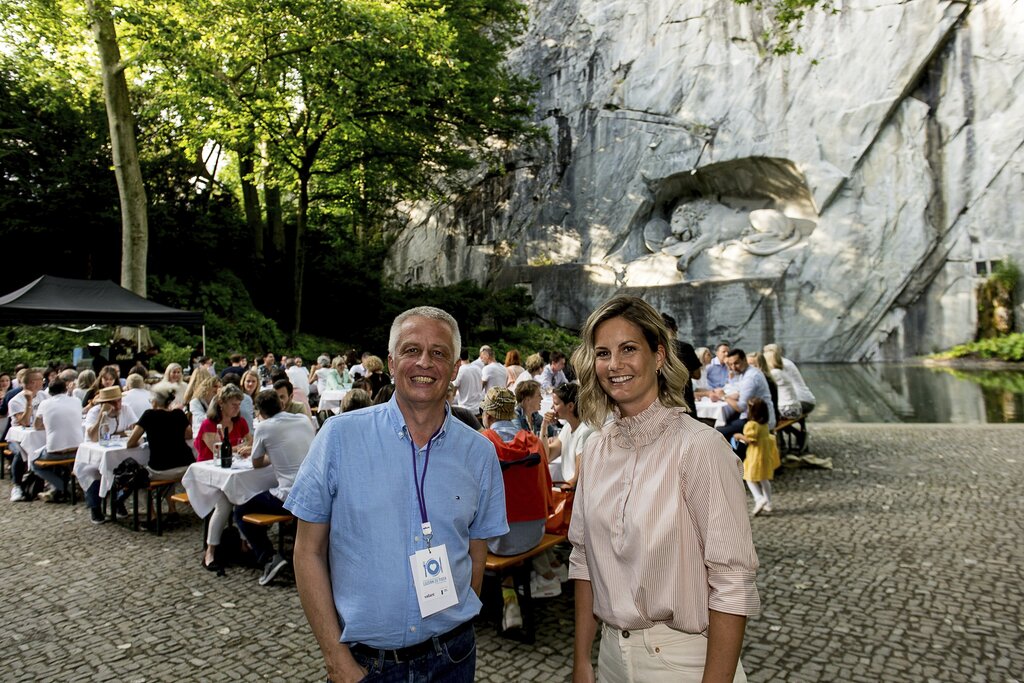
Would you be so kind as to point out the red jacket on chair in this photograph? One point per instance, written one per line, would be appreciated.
(527, 487)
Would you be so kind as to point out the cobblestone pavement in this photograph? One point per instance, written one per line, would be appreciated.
(904, 563)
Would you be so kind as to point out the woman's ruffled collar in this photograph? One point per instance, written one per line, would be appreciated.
(644, 427)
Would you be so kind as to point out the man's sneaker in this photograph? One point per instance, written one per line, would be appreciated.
(511, 617)
(270, 569)
(541, 587)
(97, 515)
(17, 494)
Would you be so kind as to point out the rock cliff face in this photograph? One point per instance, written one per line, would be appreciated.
(839, 202)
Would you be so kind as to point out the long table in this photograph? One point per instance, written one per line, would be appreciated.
(98, 461)
(30, 440)
(205, 480)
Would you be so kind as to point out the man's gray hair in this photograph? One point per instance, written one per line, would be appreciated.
(426, 312)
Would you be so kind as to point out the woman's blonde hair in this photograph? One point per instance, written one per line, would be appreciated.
(593, 404)
(373, 364)
(198, 384)
(773, 356)
(256, 376)
(534, 363)
(227, 392)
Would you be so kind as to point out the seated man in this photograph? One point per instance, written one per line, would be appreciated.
(138, 397)
(61, 417)
(527, 494)
(21, 408)
(286, 396)
(282, 440)
(553, 375)
(107, 412)
(751, 383)
(718, 371)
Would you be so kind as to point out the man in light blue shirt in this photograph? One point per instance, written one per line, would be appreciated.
(718, 371)
(750, 383)
(373, 481)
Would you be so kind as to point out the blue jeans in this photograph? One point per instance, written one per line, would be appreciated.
(262, 503)
(731, 429)
(453, 661)
(18, 464)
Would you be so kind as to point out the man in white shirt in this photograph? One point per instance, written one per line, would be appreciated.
(469, 384)
(22, 408)
(359, 370)
(108, 411)
(282, 441)
(299, 377)
(61, 417)
(494, 374)
(553, 375)
(138, 397)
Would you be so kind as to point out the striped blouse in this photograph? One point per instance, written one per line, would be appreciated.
(660, 525)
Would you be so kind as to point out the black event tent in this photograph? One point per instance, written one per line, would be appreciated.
(62, 300)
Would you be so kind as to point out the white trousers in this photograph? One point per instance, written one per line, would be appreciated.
(653, 655)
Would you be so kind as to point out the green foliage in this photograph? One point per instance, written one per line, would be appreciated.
(1008, 348)
(169, 353)
(1006, 274)
(40, 346)
(785, 20)
(531, 338)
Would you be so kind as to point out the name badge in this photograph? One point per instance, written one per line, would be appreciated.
(432, 579)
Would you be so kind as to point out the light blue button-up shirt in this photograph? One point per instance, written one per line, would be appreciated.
(358, 478)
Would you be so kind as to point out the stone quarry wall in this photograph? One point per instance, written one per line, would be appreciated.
(840, 202)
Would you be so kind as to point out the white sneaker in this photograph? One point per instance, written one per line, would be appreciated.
(270, 569)
(17, 494)
(511, 617)
(541, 587)
(758, 506)
(768, 508)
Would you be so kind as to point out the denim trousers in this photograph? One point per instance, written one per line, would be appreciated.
(263, 503)
(453, 661)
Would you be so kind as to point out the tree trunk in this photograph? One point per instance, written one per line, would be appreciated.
(251, 199)
(121, 121)
(299, 250)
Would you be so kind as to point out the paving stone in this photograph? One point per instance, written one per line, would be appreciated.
(903, 563)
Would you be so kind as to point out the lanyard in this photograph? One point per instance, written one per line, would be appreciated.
(418, 481)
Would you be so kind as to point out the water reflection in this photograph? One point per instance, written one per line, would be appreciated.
(892, 392)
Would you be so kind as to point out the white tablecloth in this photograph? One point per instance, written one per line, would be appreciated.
(31, 441)
(331, 400)
(715, 409)
(241, 482)
(94, 461)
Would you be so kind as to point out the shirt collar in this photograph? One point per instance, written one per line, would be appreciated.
(397, 420)
(642, 428)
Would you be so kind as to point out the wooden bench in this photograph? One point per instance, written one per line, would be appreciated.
(159, 487)
(63, 468)
(519, 567)
(262, 519)
(786, 433)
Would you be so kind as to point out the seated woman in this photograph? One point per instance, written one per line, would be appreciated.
(202, 389)
(375, 374)
(223, 418)
(174, 374)
(168, 432)
(513, 366)
(566, 450)
(527, 415)
(356, 399)
(106, 378)
(250, 384)
(533, 369)
(82, 385)
(527, 492)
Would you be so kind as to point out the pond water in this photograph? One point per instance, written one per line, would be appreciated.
(893, 392)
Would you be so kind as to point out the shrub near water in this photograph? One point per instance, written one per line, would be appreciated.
(1009, 348)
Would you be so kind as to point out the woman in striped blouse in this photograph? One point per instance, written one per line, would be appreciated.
(662, 552)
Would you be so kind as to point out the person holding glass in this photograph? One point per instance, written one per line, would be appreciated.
(222, 420)
(662, 553)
